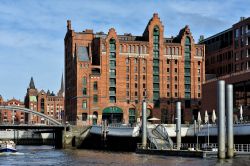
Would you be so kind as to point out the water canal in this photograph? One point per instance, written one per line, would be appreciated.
(46, 155)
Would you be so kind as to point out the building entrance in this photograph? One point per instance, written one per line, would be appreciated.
(112, 115)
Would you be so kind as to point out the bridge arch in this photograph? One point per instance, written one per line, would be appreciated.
(26, 110)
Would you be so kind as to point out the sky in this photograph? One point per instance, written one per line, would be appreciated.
(32, 31)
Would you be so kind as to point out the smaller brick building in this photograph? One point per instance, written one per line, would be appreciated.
(44, 102)
(7, 116)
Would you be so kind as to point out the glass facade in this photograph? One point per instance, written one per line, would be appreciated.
(187, 71)
(112, 66)
(156, 80)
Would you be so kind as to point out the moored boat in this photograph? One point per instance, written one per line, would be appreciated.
(7, 146)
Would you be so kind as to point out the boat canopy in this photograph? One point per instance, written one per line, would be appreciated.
(112, 110)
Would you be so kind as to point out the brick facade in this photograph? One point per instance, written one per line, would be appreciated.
(7, 116)
(228, 58)
(44, 102)
(111, 71)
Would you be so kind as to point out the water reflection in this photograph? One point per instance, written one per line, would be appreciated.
(46, 155)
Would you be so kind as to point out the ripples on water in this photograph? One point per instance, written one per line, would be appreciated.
(46, 155)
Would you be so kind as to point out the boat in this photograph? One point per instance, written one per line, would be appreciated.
(7, 146)
(116, 130)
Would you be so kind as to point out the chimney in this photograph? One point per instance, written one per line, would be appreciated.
(242, 18)
(69, 24)
(201, 38)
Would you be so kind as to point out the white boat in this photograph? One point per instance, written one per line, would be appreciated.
(7, 146)
(116, 130)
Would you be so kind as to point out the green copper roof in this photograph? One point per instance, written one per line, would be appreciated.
(113, 110)
(33, 99)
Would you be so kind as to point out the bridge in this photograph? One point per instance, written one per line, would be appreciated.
(26, 110)
(55, 127)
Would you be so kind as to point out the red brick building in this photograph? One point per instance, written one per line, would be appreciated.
(228, 58)
(108, 75)
(7, 116)
(44, 102)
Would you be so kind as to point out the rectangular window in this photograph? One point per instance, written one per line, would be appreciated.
(127, 85)
(136, 85)
(144, 77)
(156, 95)
(175, 94)
(156, 86)
(112, 55)
(135, 77)
(156, 78)
(95, 98)
(127, 77)
(84, 80)
(136, 93)
(168, 94)
(175, 70)
(175, 86)
(135, 61)
(175, 78)
(156, 62)
(144, 86)
(95, 86)
(127, 61)
(112, 64)
(127, 69)
(135, 68)
(144, 69)
(127, 93)
(84, 104)
(84, 91)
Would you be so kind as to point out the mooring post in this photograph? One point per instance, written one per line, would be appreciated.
(230, 135)
(221, 116)
(144, 124)
(178, 125)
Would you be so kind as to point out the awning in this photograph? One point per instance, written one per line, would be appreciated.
(112, 110)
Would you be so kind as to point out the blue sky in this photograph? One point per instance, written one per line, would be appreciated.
(32, 31)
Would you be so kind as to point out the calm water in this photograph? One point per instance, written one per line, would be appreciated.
(45, 155)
